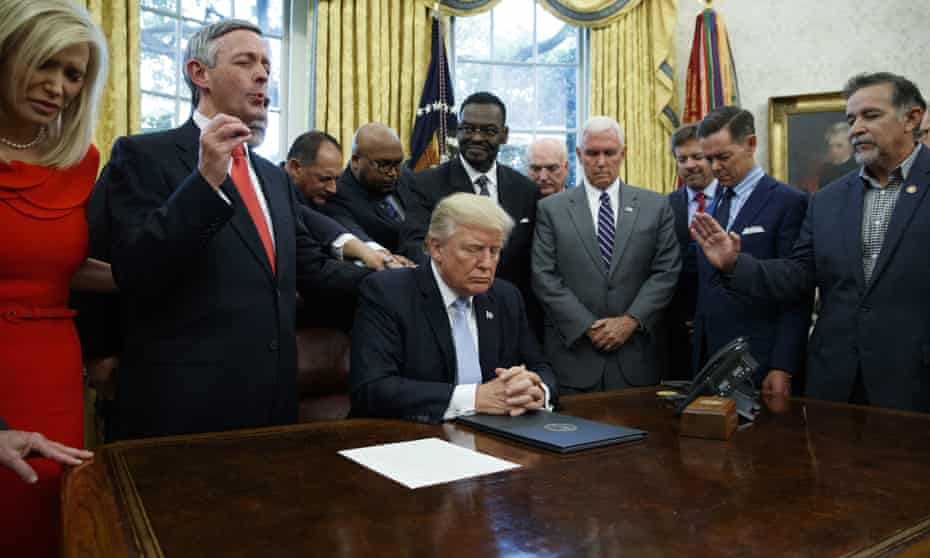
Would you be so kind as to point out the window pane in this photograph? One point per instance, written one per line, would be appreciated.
(159, 47)
(558, 41)
(269, 148)
(515, 86)
(274, 82)
(470, 78)
(513, 153)
(558, 98)
(513, 31)
(168, 5)
(471, 36)
(157, 113)
(206, 10)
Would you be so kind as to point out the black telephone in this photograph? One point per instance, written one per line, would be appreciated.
(727, 374)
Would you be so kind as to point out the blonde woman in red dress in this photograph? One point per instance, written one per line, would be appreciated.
(52, 67)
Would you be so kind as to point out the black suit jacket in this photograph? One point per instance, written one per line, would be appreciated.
(210, 341)
(403, 356)
(682, 306)
(518, 196)
(881, 328)
(362, 212)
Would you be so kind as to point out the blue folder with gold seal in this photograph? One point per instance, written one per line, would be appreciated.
(554, 431)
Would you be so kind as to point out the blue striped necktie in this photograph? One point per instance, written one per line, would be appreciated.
(482, 183)
(606, 229)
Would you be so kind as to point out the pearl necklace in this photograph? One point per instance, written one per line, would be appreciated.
(35, 141)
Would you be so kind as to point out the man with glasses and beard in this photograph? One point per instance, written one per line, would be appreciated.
(482, 130)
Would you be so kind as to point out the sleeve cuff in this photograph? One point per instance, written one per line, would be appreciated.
(462, 401)
(336, 246)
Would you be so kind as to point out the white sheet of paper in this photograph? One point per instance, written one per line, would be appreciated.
(426, 462)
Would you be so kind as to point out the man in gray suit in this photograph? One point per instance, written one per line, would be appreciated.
(605, 265)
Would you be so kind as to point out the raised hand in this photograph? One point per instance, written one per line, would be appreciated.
(720, 248)
(217, 140)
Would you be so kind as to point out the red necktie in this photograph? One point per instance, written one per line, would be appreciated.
(243, 182)
(700, 198)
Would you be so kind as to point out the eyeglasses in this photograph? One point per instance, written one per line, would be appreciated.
(385, 167)
(486, 131)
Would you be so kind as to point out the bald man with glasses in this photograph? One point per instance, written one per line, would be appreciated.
(372, 194)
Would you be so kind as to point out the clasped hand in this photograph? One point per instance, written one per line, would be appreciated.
(514, 391)
(608, 334)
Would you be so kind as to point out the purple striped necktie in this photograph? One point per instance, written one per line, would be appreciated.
(606, 229)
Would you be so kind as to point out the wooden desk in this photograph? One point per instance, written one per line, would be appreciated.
(815, 479)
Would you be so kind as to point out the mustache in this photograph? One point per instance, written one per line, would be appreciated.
(862, 141)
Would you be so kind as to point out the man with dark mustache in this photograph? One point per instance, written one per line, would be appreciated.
(482, 130)
(863, 243)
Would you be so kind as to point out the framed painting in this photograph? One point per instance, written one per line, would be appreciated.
(808, 140)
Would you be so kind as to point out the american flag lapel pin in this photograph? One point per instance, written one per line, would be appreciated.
(488, 315)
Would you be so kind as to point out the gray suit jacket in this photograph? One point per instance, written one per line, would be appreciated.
(575, 289)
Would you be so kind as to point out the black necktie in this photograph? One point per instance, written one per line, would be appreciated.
(722, 211)
(482, 183)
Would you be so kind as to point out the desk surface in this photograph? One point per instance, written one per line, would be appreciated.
(815, 479)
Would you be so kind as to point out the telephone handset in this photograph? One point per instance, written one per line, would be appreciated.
(727, 374)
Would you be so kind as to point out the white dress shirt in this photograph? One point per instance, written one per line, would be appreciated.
(491, 175)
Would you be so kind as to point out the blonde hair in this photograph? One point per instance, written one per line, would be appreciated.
(469, 210)
(31, 32)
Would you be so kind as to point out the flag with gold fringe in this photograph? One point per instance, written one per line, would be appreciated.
(711, 81)
(436, 113)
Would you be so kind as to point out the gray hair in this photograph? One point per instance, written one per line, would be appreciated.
(557, 144)
(469, 210)
(597, 124)
(202, 47)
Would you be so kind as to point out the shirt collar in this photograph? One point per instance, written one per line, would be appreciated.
(709, 191)
(474, 174)
(595, 192)
(904, 167)
(748, 183)
(200, 119)
(448, 295)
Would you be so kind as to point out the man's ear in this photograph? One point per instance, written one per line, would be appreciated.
(506, 134)
(751, 142)
(197, 71)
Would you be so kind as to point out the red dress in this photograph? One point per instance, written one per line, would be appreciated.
(43, 241)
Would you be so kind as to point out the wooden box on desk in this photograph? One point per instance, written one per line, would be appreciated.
(709, 417)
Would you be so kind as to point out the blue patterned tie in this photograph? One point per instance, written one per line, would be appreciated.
(391, 210)
(482, 183)
(722, 211)
(606, 229)
(466, 355)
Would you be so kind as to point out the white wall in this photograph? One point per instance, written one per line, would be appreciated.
(794, 47)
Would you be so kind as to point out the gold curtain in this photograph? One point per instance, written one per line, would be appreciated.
(371, 60)
(632, 81)
(120, 110)
(583, 13)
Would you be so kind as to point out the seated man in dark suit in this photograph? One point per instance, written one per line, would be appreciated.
(445, 339)
(482, 130)
(313, 163)
(371, 196)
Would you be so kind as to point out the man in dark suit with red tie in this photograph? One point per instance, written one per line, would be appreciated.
(208, 253)
(482, 130)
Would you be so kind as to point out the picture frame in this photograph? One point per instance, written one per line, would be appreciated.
(808, 140)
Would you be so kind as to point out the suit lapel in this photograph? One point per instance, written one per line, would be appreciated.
(904, 210)
(628, 199)
(489, 335)
(438, 318)
(756, 203)
(458, 178)
(679, 200)
(851, 220)
(580, 214)
(188, 137)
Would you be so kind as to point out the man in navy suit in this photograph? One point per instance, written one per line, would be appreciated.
(208, 253)
(482, 130)
(446, 339)
(864, 245)
(697, 195)
(372, 193)
(768, 215)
